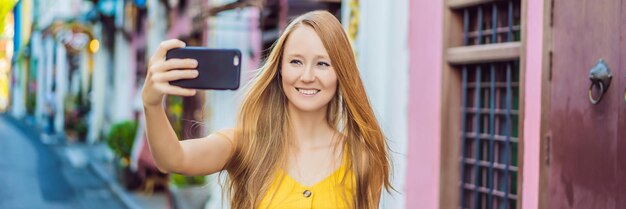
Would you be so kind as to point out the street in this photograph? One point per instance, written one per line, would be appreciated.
(38, 175)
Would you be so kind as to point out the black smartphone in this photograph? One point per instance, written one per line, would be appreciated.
(218, 69)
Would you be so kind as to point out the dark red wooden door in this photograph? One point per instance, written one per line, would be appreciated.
(588, 142)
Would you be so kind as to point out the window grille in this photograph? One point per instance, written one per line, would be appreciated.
(496, 22)
(489, 137)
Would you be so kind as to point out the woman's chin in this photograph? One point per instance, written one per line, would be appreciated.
(307, 107)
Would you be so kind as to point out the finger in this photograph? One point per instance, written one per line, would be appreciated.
(174, 75)
(172, 64)
(174, 90)
(165, 46)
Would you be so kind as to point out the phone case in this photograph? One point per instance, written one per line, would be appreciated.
(218, 69)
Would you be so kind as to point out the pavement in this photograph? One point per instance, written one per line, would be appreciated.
(43, 171)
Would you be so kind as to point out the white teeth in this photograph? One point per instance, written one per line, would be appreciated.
(308, 91)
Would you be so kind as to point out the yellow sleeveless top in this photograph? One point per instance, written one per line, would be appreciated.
(335, 191)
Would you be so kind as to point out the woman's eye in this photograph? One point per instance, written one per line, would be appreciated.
(325, 64)
(297, 62)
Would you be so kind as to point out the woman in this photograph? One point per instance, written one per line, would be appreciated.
(306, 135)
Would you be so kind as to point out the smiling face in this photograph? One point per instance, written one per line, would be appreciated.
(308, 77)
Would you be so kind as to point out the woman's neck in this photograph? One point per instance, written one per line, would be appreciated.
(310, 129)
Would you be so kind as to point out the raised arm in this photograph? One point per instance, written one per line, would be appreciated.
(200, 156)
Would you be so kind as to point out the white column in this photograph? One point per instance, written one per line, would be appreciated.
(61, 88)
(48, 75)
(156, 27)
(99, 87)
(382, 49)
(122, 99)
(38, 55)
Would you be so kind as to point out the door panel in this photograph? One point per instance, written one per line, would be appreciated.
(582, 172)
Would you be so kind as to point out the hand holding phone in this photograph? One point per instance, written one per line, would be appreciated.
(161, 72)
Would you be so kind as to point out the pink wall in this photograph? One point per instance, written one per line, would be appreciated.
(532, 117)
(425, 60)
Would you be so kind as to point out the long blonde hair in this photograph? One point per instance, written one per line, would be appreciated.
(263, 123)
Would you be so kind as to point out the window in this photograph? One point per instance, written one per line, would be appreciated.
(487, 61)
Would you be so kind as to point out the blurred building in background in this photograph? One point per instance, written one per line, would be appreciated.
(7, 34)
(485, 103)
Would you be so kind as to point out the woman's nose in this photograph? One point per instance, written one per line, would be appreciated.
(308, 75)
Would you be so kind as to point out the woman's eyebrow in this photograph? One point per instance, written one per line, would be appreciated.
(322, 56)
(318, 56)
(294, 55)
